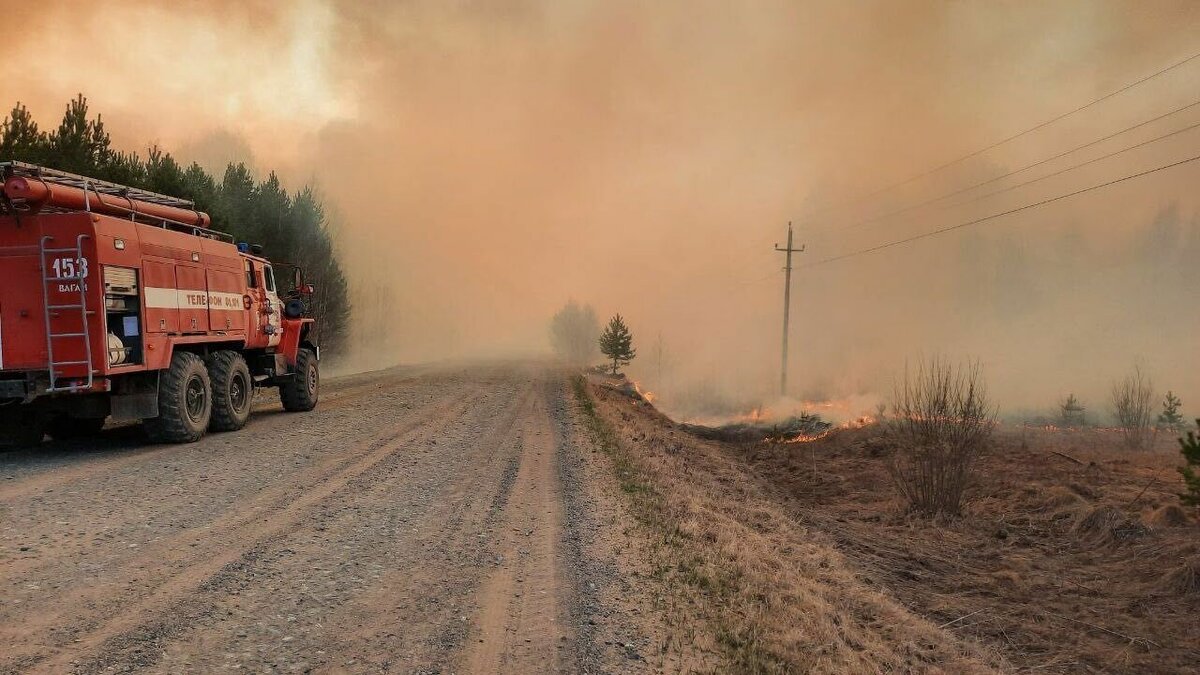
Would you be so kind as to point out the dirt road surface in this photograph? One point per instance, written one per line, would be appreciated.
(420, 520)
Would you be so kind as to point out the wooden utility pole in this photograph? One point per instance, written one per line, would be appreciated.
(787, 305)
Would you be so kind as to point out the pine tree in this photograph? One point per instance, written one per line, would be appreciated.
(272, 209)
(79, 145)
(233, 210)
(1072, 411)
(163, 173)
(617, 343)
(125, 168)
(20, 139)
(314, 252)
(1190, 447)
(1170, 417)
(199, 187)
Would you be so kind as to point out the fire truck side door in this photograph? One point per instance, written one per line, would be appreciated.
(161, 297)
(275, 317)
(225, 309)
(193, 298)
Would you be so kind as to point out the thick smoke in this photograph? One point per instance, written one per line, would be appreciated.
(488, 161)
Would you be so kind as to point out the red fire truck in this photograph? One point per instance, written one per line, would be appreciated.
(121, 303)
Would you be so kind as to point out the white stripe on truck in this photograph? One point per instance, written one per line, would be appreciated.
(171, 298)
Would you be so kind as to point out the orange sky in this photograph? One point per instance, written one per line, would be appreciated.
(486, 161)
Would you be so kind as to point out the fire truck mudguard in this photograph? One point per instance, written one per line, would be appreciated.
(124, 303)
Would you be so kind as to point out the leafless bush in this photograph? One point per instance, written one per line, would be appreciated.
(941, 421)
(1131, 401)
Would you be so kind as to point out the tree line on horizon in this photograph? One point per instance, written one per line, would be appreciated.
(292, 227)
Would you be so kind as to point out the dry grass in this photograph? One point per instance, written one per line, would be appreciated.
(1058, 559)
(768, 595)
(801, 556)
(1184, 580)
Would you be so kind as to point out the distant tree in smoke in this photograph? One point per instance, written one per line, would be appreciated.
(1170, 418)
(1072, 411)
(616, 343)
(573, 333)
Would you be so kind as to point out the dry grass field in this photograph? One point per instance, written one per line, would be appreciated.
(1072, 555)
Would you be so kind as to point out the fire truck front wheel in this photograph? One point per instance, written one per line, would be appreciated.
(184, 401)
(298, 392)
(232, 391)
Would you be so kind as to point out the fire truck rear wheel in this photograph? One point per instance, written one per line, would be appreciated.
(232, 391)
(299, 392)
(184, 401)
(21, 428)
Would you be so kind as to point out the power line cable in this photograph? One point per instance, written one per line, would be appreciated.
(1094, 160)
(1008, 139)
(1023, 169)
(934, 233)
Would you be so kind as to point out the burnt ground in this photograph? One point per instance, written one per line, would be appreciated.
(424, 520)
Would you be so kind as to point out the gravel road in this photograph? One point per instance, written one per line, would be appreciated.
(421, 520)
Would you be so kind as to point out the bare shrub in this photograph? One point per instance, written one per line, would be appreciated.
(1131, 401)
(941, 421)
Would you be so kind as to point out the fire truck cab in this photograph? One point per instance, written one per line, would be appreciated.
(121, 303)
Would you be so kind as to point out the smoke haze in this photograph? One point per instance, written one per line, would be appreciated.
(488, 161)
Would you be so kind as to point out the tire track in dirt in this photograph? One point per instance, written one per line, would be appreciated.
(522, 620)
(448, 518)
(414, 612)
(267, 498)
(235, 527)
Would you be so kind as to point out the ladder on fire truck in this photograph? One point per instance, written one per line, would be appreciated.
(77, 277)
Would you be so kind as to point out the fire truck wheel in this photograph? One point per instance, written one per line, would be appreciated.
(184, 401)
(21, 428)
(65, 427)
(232, 391)
(299, 392)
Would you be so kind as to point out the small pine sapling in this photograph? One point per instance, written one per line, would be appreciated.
(616, 343)
(1170, 418)
(1072, 411)
(1190, 447)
